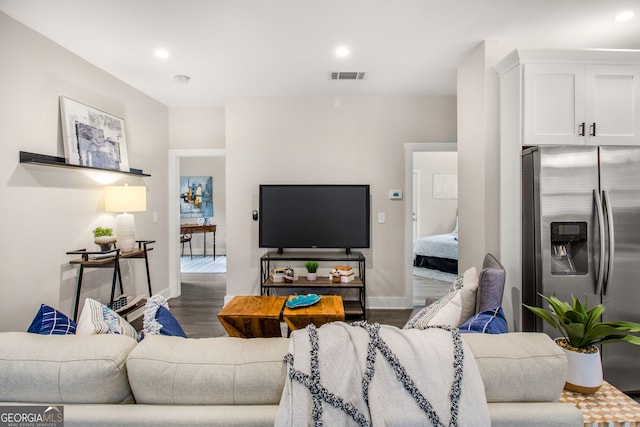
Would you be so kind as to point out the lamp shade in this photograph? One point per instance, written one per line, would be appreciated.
(125, 198)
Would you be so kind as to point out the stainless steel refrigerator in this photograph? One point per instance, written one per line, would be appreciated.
(581, 237)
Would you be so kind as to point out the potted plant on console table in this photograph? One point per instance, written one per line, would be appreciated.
(103, 237)
(312, 269)
(582, 331)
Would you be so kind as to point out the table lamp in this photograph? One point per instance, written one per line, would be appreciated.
(125, 199)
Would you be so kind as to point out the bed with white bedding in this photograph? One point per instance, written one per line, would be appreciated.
(437, 252)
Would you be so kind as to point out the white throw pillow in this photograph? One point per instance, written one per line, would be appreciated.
(445, 311)
(97, 318)
(468, 293)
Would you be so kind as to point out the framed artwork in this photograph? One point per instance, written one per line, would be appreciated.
(92, 137)
(196, 196)
(445, 186)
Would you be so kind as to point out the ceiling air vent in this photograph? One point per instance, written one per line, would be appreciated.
(348, 75)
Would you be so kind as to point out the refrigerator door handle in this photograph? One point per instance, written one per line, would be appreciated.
(599, 214)
(607, 206)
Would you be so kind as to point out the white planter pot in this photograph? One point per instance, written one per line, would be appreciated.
(312, 276)
(585, 371)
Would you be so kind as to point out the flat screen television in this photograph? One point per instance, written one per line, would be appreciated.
(314, 216)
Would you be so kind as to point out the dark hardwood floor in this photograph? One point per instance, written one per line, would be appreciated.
(203, 296)
(197, 307)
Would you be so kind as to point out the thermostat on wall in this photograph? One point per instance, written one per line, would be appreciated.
(395, 194)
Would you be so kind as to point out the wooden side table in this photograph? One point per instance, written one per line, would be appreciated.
(252, 316)
(606, 407)
(328, 309)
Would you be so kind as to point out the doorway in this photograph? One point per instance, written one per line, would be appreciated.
(175, 159)
(430, 210)
(203, 215)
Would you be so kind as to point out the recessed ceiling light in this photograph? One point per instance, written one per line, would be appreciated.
(624, 16)
(161, 53)
(181, 78)
(342, 51)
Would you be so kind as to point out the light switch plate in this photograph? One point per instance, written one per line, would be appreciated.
(381, 217)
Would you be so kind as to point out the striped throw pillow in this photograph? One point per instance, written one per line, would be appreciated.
(97, 318)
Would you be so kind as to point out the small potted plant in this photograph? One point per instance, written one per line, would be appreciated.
(312, 270)
(582, 331)
(103, 237)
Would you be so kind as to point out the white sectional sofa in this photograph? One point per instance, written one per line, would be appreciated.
(110, 380)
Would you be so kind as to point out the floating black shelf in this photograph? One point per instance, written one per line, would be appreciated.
(46, 160)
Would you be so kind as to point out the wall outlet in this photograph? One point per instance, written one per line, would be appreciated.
(155, 217)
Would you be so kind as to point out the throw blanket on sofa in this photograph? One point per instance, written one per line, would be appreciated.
(371, 375)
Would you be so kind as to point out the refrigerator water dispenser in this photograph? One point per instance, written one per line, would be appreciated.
(569, 248)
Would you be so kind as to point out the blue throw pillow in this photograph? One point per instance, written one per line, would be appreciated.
(487, 322)
(170, 325)
(49, 321)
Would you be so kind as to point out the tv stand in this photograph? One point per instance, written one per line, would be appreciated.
(353, 308)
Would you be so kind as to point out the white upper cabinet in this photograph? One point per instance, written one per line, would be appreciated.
(613, 104)
(573, 97)
(554, 104)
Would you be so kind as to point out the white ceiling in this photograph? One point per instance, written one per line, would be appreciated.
(234, 48)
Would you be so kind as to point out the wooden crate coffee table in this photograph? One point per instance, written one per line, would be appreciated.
(252, 316)
(328, 309)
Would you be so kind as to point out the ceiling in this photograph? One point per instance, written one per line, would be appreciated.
(235, 48)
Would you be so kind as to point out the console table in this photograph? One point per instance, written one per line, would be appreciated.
(195, 229)
(109, 259)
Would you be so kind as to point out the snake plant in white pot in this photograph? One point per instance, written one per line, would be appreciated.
(582, 331)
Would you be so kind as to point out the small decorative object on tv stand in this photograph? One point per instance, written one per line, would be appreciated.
(312, 270)
(289, 275)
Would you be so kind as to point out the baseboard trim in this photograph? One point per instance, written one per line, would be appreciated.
(389, 303)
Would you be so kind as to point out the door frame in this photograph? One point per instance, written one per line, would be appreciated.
(409, 149)
(175, 155)
(416, 203)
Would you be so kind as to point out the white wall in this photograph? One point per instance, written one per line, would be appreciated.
(48, 211)
(478, 162)
(194, 128)
(214, 167)
(437, 215)
(275, 140)
(478, 156)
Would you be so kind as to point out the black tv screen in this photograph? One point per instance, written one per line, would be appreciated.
(314, 216)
